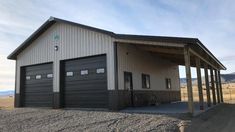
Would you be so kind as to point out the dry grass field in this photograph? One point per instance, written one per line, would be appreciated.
(7, 102)
(228, 92)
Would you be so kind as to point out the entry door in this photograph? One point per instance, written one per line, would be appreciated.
(128, 85)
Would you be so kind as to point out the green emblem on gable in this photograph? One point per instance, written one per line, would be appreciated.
(56, 37)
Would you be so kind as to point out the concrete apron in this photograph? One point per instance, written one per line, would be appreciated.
(170, 108)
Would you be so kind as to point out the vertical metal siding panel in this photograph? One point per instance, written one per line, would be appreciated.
(94, 48)
(78, 42)
(73, 39)
(89, 40)
(98, 37)
(85, 42)
(66, 47)
(82, 42)
(70, 42)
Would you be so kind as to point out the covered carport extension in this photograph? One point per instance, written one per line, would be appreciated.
(188, 52)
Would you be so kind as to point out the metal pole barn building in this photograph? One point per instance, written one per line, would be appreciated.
(66, 64)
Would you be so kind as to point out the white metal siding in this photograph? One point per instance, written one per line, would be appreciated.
(74, 42)
(136, 61)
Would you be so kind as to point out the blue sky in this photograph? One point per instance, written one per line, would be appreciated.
(212, 21)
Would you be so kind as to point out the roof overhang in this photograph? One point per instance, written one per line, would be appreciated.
(172, 45)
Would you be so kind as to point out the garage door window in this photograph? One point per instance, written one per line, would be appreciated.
(100, 70)
(84, 72)
(69, 74)
(49, 75)
(38, 76)
(27, 77)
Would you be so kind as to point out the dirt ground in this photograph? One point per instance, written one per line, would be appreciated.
(219, 119)
(7, 102)
(41, 120)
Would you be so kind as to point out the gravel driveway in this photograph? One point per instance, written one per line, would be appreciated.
(28, 119)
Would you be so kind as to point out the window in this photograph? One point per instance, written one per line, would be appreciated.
(100, 70)
(49, 75)
(145, 81)
(168, 83)
(84, 72)
(38, 76)
(69, 74)
(128, 81)
(27, 77)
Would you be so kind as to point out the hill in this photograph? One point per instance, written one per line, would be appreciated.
(7, 93)
(225, 78)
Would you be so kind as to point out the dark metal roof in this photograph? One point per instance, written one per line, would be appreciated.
(53, 20)
(156, 38)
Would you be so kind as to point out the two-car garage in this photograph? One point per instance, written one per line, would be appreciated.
(83, 83)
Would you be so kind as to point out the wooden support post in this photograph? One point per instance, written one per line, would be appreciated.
(221, 89)
(217, 86)
(208, 93)
(199, 83)
(213, 86)
(189, 79)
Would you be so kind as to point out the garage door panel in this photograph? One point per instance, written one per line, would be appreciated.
(89, 90)
(38, 82)
(38, 92)
(39, 72)
(87, 61)
(38, 85)
(37, 104)
(85, 83)
(84, 79)
(36, 97)
(73, 88)
(95, 93)
(87, 105)
(70, 100)
(39, 67)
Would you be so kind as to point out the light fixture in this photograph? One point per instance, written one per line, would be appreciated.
(56, 48)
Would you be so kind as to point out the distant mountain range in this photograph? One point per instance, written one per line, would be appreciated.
(225, 78)
(7, 93)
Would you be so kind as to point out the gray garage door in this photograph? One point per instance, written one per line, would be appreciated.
(37, 86)
(85, 82)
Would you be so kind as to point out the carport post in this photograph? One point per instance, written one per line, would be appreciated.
(207, 85)
(213, 86)
(199, 82)
(217, 86)
(189, 79)
(221, 90)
